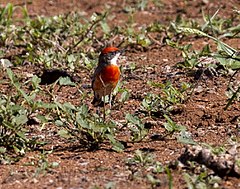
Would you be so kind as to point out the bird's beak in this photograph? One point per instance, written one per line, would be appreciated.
(121, 51)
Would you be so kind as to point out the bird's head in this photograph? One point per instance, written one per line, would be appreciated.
(109, 55)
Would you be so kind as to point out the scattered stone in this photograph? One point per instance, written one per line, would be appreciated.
(223, 164)
(198, 89)
(5, 63)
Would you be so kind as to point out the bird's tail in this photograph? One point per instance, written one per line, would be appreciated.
(96, 101)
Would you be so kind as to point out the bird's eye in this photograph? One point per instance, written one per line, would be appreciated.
(110, 55)
(113, 53)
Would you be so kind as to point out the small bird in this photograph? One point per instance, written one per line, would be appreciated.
(106, 75)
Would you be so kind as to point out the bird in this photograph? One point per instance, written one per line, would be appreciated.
(106, 75)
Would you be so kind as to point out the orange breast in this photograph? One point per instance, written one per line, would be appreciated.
(110, 74)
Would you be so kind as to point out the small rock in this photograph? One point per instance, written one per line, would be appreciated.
(198, 89)
(6, 63)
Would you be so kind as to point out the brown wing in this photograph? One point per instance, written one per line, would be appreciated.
(96, 85)
(95, 78)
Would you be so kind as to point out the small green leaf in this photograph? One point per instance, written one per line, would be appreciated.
(35, 81)
(223, 47)
(70, 106)
(22, 135)
(116, 145)
(132, 119)
(2, 150)
(66, 81)
(71, 58)
(84, 110)
(16, 149)
(82, 122)
(64, 133)
(206, 50)
(235, 65)
(168, 127)
(105, 27)
(59, 123)
(153, 180)
(185, 138)
(42, 119)
(44, 105)
(20, 120)
(124, 97)
(143, 40)
(10, 75)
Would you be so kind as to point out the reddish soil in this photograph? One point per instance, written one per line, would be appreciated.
(202, 114)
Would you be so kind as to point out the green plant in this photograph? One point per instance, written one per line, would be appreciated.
(91, 131)
(185, 138)
(233, 95)
(43, 164)
(144, 164)
(29, 99)
(171, 126)
(214, 26)
(137, 127)
(220, 26)
(217, 150)
(6, 14)
(170, 178)
(60, 34)
(13, 119)
(165, 101)
(158, 167)
(140, 158)
(152, 103)
(201, 181)
(191, 57)
(154, 181)
(14, 115)
(124, 96)
(226, 56)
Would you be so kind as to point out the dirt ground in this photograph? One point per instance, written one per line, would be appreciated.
(202, 114)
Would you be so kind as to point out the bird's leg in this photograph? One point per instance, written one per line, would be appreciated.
(98, 111)
(104, 110)
(110, 101)
(104, 92)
